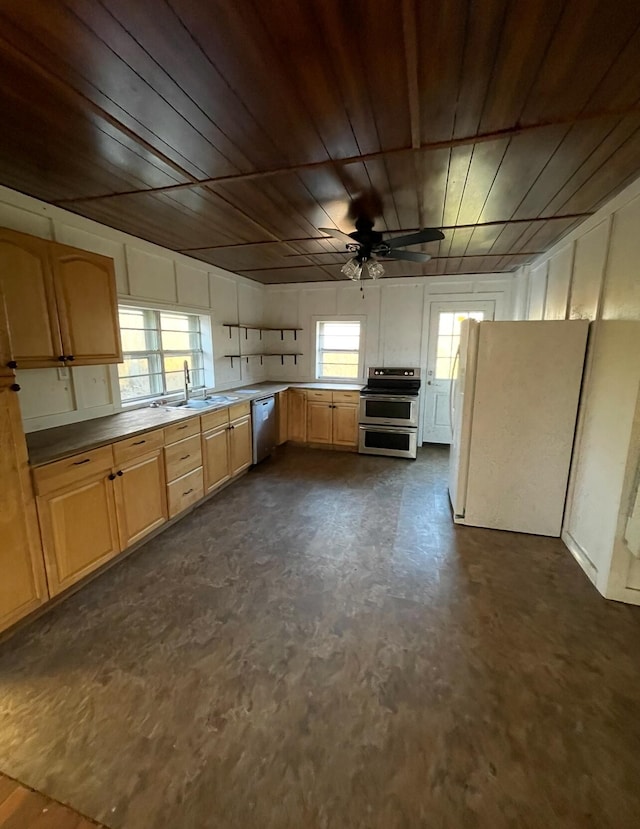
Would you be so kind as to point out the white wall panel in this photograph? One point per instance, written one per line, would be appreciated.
(151, 277)
(588, 270)
(25, 221)
(44, 393)
(537, 292)
(622, 287)
(401, 324)
(192, 286)
(558, 281)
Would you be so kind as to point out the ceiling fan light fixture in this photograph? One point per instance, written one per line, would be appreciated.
(352, 268)
(376, 269)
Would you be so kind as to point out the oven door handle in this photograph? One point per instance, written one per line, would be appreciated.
(398, 430)
(392, 397)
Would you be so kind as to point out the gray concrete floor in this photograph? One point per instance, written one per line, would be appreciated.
(320, 647)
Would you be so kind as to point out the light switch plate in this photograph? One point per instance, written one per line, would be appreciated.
(63, 373)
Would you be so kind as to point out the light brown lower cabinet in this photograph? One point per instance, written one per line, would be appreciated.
(92, 508)
(79, 529)
(215, 456)
(331, 417)
(185, 491)
(141, 498)
(345, 424)
(297, 414)
(319, 421)
(183, 464)
(23, 587)
(240, 445)
(282, 404)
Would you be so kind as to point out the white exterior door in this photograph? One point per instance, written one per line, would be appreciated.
(444, 338)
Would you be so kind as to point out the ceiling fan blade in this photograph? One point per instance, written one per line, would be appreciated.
(337, 234)
(408, 256)
(429, 234)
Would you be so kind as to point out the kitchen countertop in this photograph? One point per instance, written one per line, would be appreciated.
(60, 442)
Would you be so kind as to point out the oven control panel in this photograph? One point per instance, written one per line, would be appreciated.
(408, 373)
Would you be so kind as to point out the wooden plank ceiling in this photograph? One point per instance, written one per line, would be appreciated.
(232, 130)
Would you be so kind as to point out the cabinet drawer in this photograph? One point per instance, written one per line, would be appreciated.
(346, 397)
(60, 474)
(182, 457)
(136, 447)
(182, 430)
(320, 395)
(239, 410)
(185, 491)
(212, 420)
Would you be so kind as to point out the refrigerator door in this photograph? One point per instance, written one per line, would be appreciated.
(462, 390)
(528, 379)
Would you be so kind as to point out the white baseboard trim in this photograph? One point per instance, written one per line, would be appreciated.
(580, 556)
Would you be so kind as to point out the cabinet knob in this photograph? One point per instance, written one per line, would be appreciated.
(61, 358)
(112, 477)
(12, 364)
(119, 473)
(70, 358)
(14, 387)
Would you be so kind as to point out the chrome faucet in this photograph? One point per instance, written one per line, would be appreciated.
(187, 380)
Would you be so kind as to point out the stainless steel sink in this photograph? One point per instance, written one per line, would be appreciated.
(207, 403)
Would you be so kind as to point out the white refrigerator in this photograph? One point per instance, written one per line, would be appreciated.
(513, 414)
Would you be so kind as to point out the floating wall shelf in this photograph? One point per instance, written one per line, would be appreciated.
(260, 328)
(295, 356)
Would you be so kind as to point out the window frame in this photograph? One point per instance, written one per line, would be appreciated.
(338, 318)
(156, 355)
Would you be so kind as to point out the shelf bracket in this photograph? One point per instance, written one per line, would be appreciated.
(295, 334)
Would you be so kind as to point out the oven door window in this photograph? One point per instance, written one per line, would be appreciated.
(388, 409)
(398, 441)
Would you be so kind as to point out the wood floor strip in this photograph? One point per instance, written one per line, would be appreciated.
(24, 808)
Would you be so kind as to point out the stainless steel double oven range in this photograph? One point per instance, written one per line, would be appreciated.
(389, 412)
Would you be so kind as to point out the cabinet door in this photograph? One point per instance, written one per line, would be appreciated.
(26, 282)
(283, 418)
(141, 498)
(319, 422)
(22, 584)
(85, 286)
(79, 530)
(240, 455)
(215, 457)
(297, 411)
(345, 424)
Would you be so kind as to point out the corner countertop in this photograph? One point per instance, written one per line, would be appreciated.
(61, 442)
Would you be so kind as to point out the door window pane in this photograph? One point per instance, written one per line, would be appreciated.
(449, 339)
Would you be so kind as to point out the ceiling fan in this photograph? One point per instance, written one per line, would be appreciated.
(368, 246)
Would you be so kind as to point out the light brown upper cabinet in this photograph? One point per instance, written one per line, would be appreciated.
(87, 304)
(61, 303)
(26, 280)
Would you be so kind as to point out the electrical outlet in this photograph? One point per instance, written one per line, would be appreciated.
(63, 373)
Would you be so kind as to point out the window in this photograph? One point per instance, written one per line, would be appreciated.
(338, 349)
(449, 339)
(155, 345)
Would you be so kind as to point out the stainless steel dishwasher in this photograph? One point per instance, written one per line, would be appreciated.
(264, 427)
